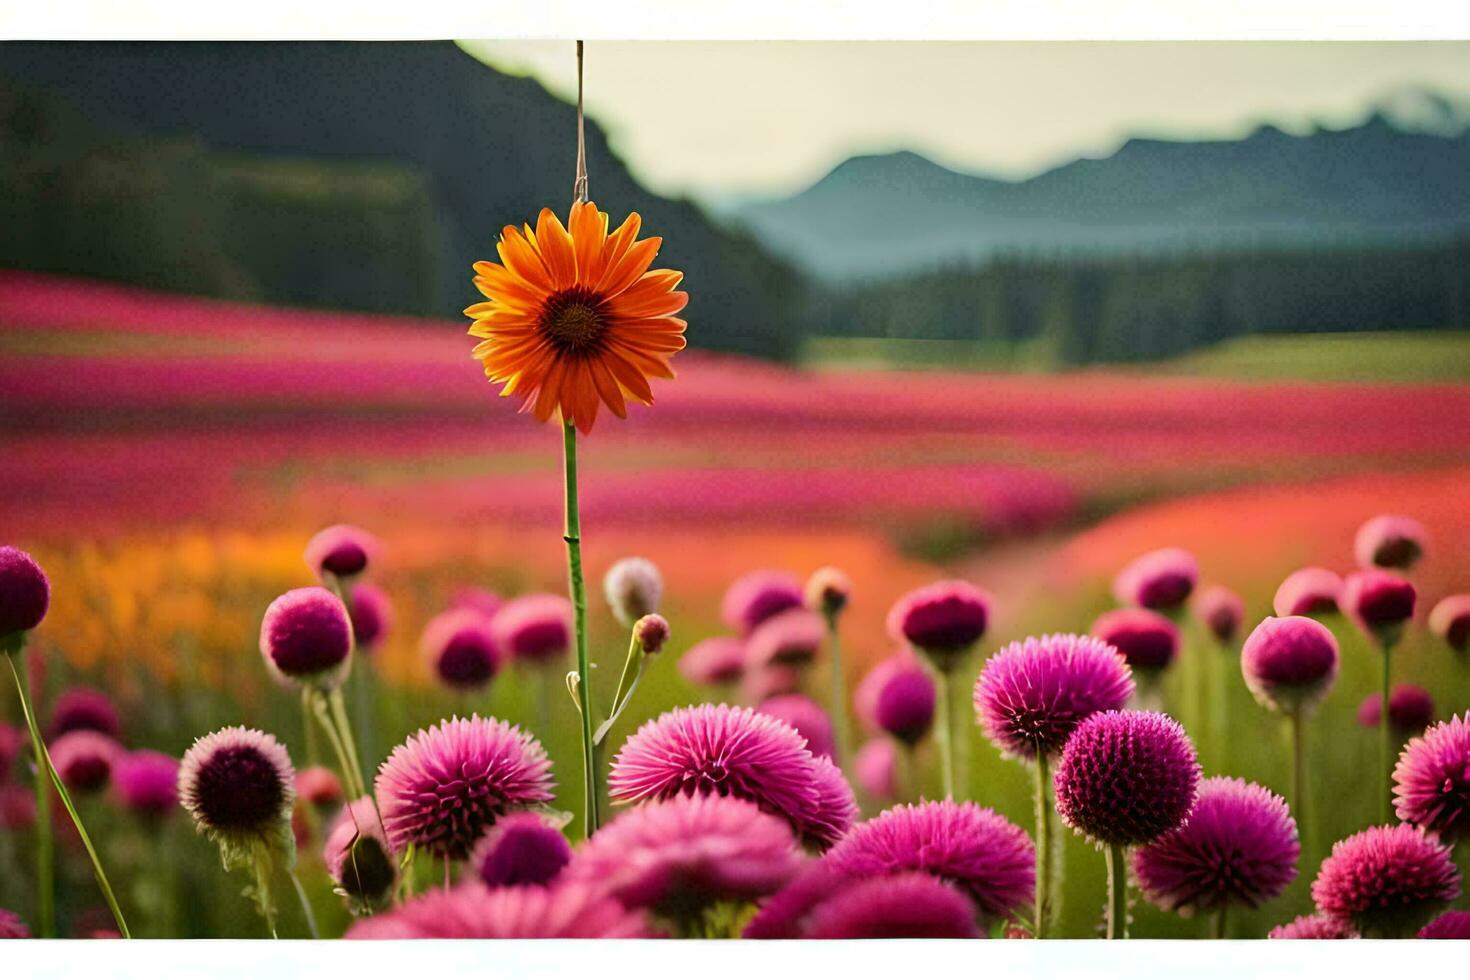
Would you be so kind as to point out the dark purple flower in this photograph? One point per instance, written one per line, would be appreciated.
(1308, 592)
(1410, 709)
(146, 782)
(897, 696)
(372, 616)
(358, 858)
(804, 715)
(238, 785)
(83, 759)
(83, 709)
(1449, 925)
(521, 849)
(828, 591)
(875, 769)
(973, 848)
(1379, 602)
(1126, 777)
(901, 906)
(1450, 621)
(306, 636)
(459, 647)
(652, 632)
(1289, 663)
(943, 621)
(1032, 694)
(1161, 579)
(1146, 639)
(718, 660)
(1386, 881)
(1315, 926)
(341, 550)
(756, 597)
(446, 785)
(633, 587)
(1221, 610)
(534, 629)
(1238, 847)
(1390, 541)
(788, 639)
(472, 911)
(1432, 780)
(25, 593)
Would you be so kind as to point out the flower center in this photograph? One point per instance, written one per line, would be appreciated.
(573, 320)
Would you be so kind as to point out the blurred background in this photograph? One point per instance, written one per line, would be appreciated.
(1015, 312)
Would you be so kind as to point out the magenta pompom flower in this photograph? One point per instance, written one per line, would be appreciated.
(804, 715)
(83, 709)
(1432, 780)
(1379, 602)
(1386, 881)
(534, 629)
(472, 911)
(146, 782)
(459, 647)
(239, 786)
(1032, 694)
(25, 595)
(1450, 621)
(725, 751)
(341, 551)
(306, 637)
(717, 660)
(1410, 709)
(1308, 592)
(1390, 541)
(681, 855)
(1449, 925)
(12, 927)
(901, 906)
(943, 621)
(1221, 611)
(784, 915)
(358, 858)
(1161, 579)
(372, 616)
(521, 849)
(1315, 926)
(897, 696)
(1238, 847)
(875, 769)
(1146, 639)
(448, 784)
(974, 848)
(1126, 777)
(757, 596)
(788, 639)
(1289, 663)
(633, 587)
(83, 759)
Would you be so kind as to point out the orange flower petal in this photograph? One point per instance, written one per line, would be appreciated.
(556, 249)
(633, 264)
(589, 235)
(518, 254)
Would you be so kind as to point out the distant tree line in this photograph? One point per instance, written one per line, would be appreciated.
(1079, 310)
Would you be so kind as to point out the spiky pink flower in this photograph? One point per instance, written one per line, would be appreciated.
(943, 621)
(784, 915)
(460, 649)
(1410, 709)
(534, 629)
(483, 601)
(828, 591)
(318, 786)
(446, 785)
(1450, 621)
(973, 848)
(1221, 610)
(836, 809)
(1449, 925)
(25, 593)
(1386, 881)
(1032, 694)
(1238, 847)
(804, 715)
(1161, 579)
(652, 632)
(1314, 926)
(633, 587)
(717, 660)
(341, 550)
(12, 927)
(1431, 781)
(146, 782)
(1289, 662)
(875, 769)
(239, 786)
(757, 596)
(1308, 592)
(788, 639)
(897, 696)
(83, 759)
(1390, 541)
(372, 616)
(358, 858)
(680, 855)
(1379, 602)
(901, 906)
(306, 636)
(472, 911)
(1126, 777)
(1146, 639)
(521, 849)
(726, 751)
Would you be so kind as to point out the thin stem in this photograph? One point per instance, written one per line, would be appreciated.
(945, 735)
(344, 732)
(45, 844)
(263, 902)
(578, 589)
(1385, 740)
(579, 186)
(43, 763)
(1117, 892)
(1043, 844)
(305, 905)
(313, 749)
(1295, 723)
(908, 776)
(1218, 923)
(627, 675)
(838, 705)
(344, 760)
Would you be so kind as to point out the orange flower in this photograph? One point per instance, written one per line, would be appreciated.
(575, 318)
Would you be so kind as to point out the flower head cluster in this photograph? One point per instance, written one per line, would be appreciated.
(1386, 882)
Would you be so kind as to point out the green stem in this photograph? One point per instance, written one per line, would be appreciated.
(313, 750)
(263, 903)
(1385, 742)
(1043, 844)
(1218, 923)
(578, 589)
(838, 705)
(43, 765)
(627, 676)
(305, 906)
(1295, 723)
(1117, 892)
(344, 732)
(344, 760)
(45, 843)
(944, 732)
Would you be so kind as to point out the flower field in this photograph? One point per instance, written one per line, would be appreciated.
(166, 459)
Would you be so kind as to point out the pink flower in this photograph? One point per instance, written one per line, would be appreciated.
(11, 926)
(84, 759)
(1449, 925)
(1221, 610)
(1289, 663)
(239, 786)
(83, 709)
(146, 782)
(897, 696)
(828, 591)
(340, 550)
(756, 597)
(1386, 881)
(372, 616)
(788, 639)
(306, 637)
(1450, 621)
(900, 906)
(1308, 592)
(472, 911)
(521, 849)
(459, 647)
(1146, 639)
(318, 786)
(875, 769)
(1379, 602)
(358, 858)
(1390, 541)
(25, 593)
(1161, 579)
(718, 660)
(804, 715)
(652, 632)
(943, 621)
(482, 601)
(1432, 780)
(1410, 709)
(1316, 926)
(535, 629)
(633, 587)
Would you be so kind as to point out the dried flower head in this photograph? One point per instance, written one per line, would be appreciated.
(306, 637)
(633, 587)
(1386, 881)
(1390, 541)
(1161, 579)
(1289, 663)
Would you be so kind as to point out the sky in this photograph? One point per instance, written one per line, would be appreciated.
(759, 118)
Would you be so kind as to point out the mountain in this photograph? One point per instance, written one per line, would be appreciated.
(1378, 182)
(335, 173)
